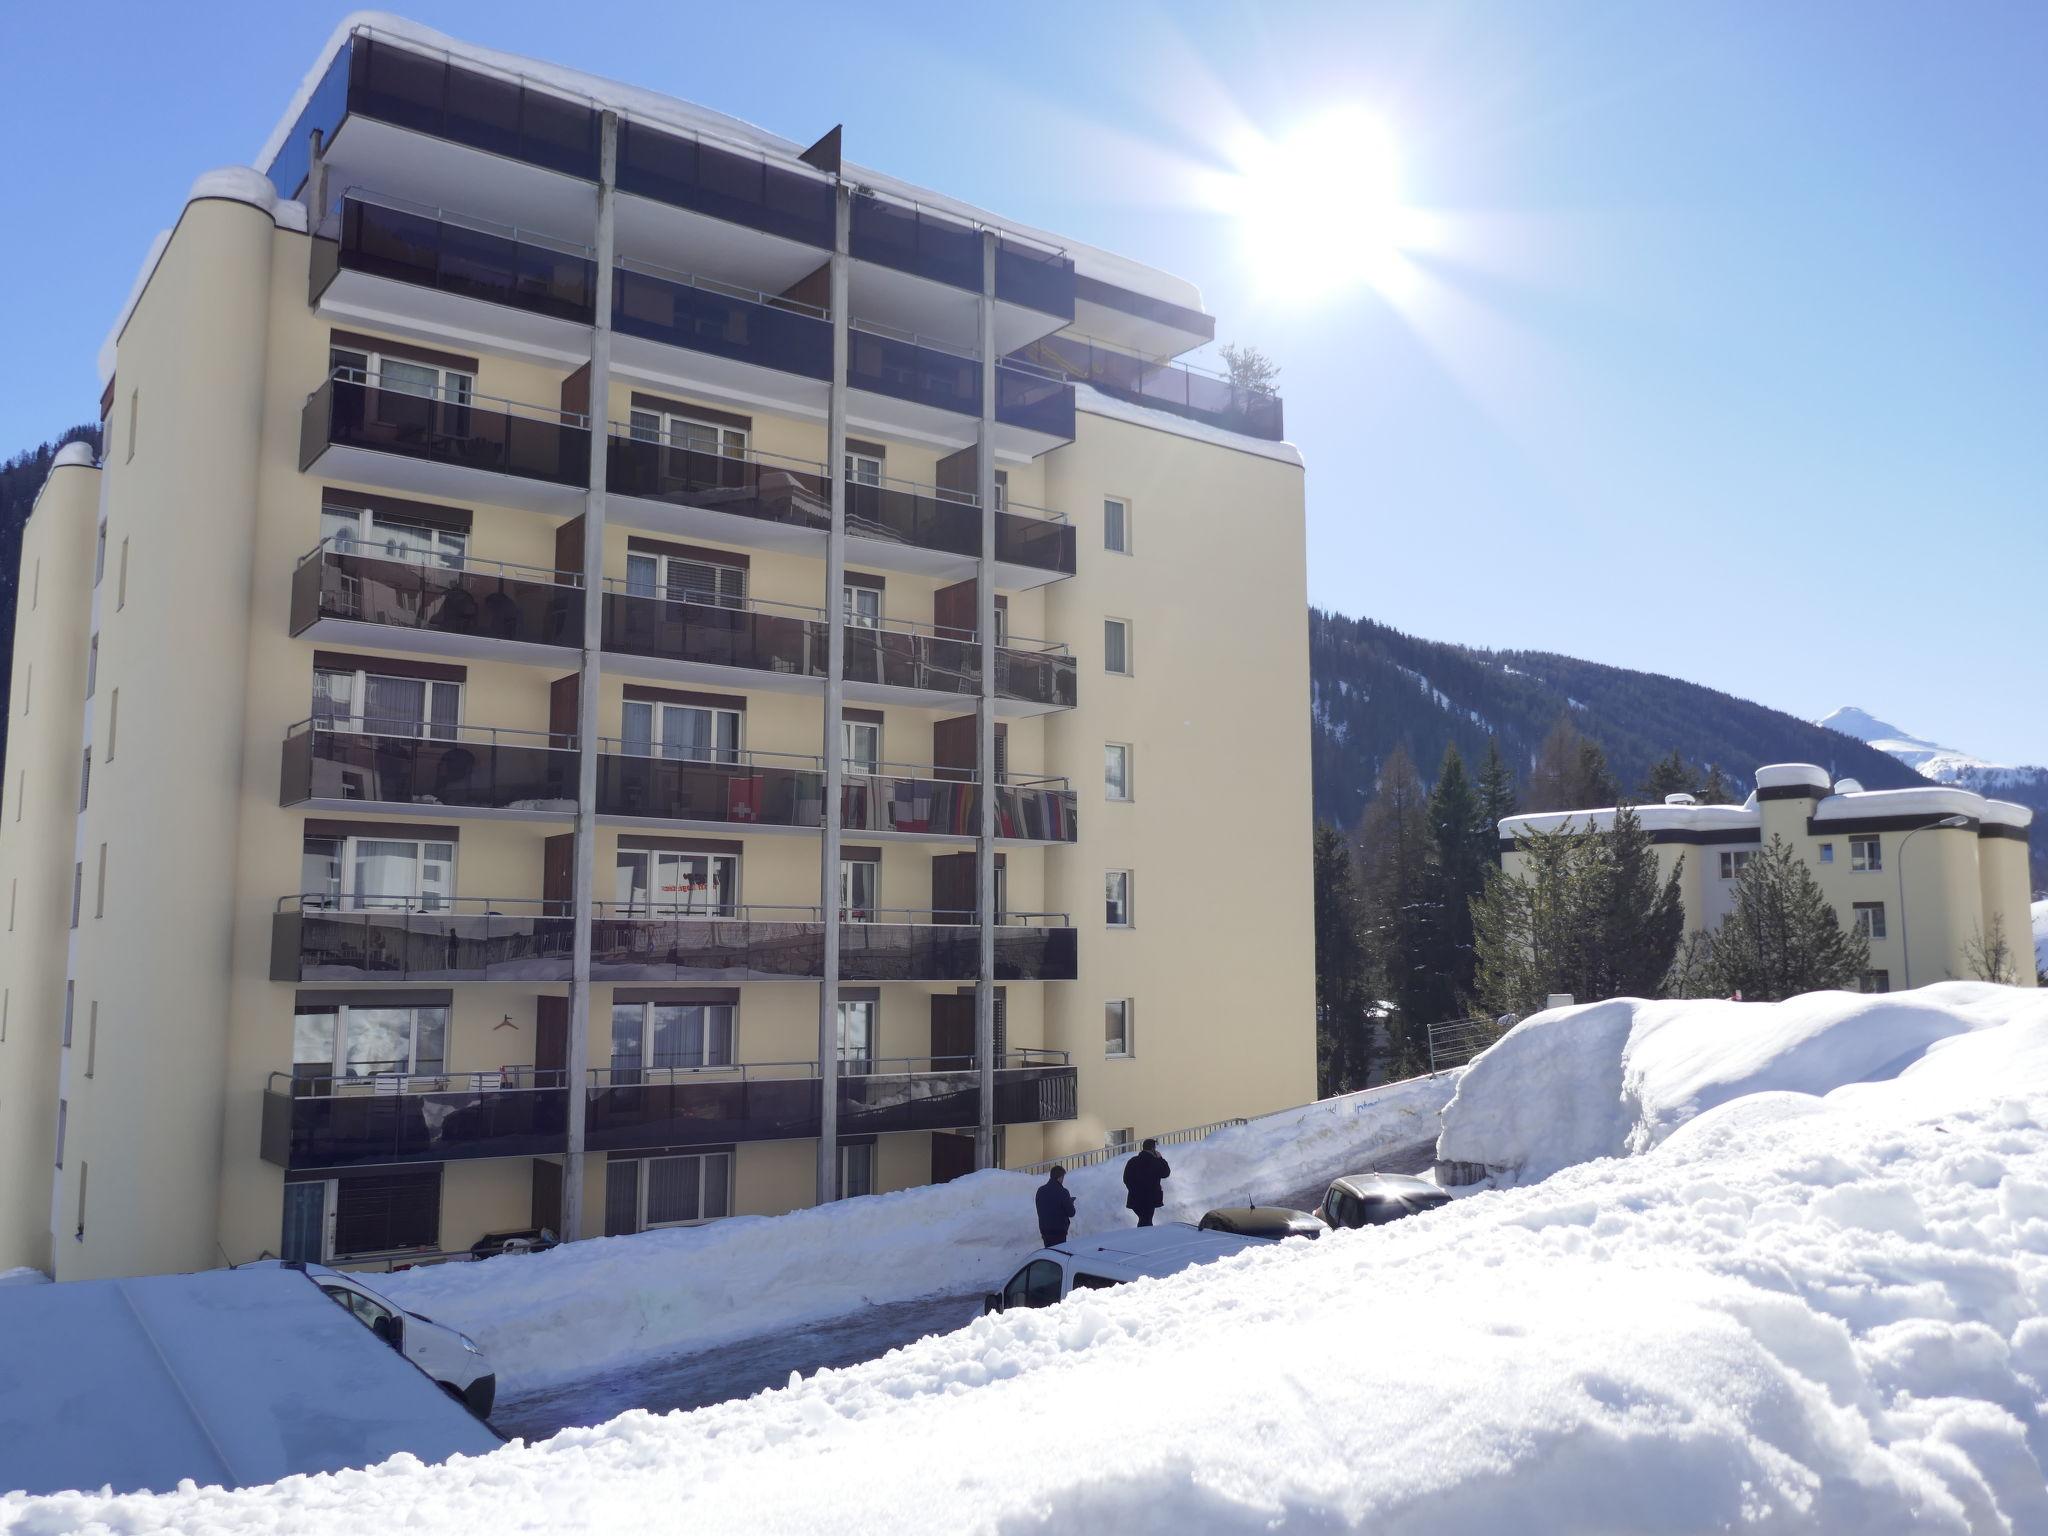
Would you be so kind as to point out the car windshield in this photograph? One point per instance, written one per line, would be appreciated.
(1087, 1282)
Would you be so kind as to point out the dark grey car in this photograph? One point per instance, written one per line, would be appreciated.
(1374, 1199)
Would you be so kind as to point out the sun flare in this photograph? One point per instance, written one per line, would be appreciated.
(1320, 209)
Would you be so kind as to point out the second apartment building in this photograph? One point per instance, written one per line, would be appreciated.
(434, 843)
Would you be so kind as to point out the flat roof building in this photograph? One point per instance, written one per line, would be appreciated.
(615, 670)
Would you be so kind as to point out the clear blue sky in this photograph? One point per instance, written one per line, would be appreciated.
(1728, 359)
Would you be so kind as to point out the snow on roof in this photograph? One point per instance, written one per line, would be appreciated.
(1787, 775)
(2003, 813)
(79, 454)
(1815, 1307)
(662, 110)
(1854, 805)
(1654, 818)
(236, 183)
(1930, 800)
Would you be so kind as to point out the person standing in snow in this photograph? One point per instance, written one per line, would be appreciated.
(1055, 1208)
(1144, 1176)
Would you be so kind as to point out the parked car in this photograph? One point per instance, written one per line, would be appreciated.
(1271, 1222)
(1374, 1199)
(453, 1360)
(1097, 1263)
(526, 1240)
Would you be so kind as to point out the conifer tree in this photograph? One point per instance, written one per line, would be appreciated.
(1394, 848)
(1671, 775)
(1461, 851)
(1496, 794)
(1715, 791)
(1343, 989)
(1782, 937)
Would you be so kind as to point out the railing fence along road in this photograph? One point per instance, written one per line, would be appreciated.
(1454, 1042)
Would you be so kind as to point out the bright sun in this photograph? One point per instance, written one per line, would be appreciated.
(1320, 210)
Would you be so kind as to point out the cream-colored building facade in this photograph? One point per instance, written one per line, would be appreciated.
(341, 828)
(1932, 875)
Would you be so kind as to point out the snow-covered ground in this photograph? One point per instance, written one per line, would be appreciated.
(23, 1276)
(2041, 935)
(1796, 1311)
(618, 1302)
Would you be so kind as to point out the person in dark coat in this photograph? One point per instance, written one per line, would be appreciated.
(1055, 1208)
(1143, 1177)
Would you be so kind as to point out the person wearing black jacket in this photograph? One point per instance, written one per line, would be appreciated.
(1055, 1208)
(1143, 1177)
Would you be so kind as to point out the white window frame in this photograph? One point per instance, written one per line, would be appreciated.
(1877, 974)
(680, 906)
(858, 764)
(1129, 667)
(727, 1014)
(702, 1159)
(862, 605)
(1733, 860)
(421, 899)
(1866, 854)
(337, 1059)
(1128, 919)
(863, 468)
(358, 693)
(658, 744)
(693, 434)
(1128, 1047)
(851, 1152)
(1123, 548)
(1827, 853)
(452, 386)
(850, 1007)
(727, 585)
(447, 547)
(851, 911)
(1128, 787)
(1869, 919)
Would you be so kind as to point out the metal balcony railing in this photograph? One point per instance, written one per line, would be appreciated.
(383, 1117)
(421, 764)
(379, 235)
(343, 578)
(448, 427)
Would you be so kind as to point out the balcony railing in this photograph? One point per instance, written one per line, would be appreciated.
(382, 236)
(476, 432)
(765, 487)
(1165, 386)
(340, 579)
(915, 371)
(912, 799)
(459, 768)
(743, 189)
(667, 1107)
(479, 939)
(760, 789)
(682, 310)
(399, 1117)
(754, 636)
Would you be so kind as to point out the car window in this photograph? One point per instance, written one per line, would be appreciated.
(1084, 1281)
(1041, 1283)
(1381, 1211)
(1350, 1210)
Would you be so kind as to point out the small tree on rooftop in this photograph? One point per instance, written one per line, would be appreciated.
(1782, 937)
(1249, 368)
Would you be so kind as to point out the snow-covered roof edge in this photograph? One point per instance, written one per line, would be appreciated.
(1920, 800)
(1792, 775)
(1654, 818)
(235, 183)
(662, 110)
(1088, 398)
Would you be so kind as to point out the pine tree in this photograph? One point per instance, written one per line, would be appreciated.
(1594, 785)
(1588, 914)
(1461, 851)
(1715, 791)
(1343, 991)
(1782, 938)
(1671, 775)
(1496, 794)
(1553, 780)
(1394, 866)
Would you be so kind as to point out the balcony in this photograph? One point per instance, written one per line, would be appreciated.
(673, 1107)
(516, 775)
(481, 609)
(1202, 397)
(913, 802)
(474, 939)
(745, 340)
(377, 259)
(920, 386)
(455, 447)
(777, 645)
(393, 1117)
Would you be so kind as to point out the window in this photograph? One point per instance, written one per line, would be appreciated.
(1877, 981)
(92, 666)
(6, 1007)
(1116, 645)
(99, 563)
(1116, 892)
(1866, 853)
(77, 890)
(134, 410)
(863, 468)
(92, 1038)
(1732, 863)
(1116, 525)
(692, 732)
(861, 746)
(670, 1037)
(1002, 489)
(359, 873)
(689, 434)
(859, 879)
(857, 1020)
(99, 898)
(683, 579)
(370, 1314)
(121, 580)
(355, 1044)
(386, 706)
(85, 779)
(661, 883)
(1870, 919)
(389, 1211)
(1083, 1281)
(84, 1173)
(1116, 1027)
(63, 1124)
(856, 1169)
(1116, 771)
(643, 1193)
(863, 605)
(70, 1000)
(113, 720)
(1037, 1284)
(1827, 853)
(401, 376)
(361, 531)
(1125, 1139)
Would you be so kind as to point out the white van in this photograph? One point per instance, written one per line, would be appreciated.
(1097, 1263)
(451, 1359)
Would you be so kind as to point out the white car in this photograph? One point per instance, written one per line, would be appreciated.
(451, 1359)
(1096, 1263)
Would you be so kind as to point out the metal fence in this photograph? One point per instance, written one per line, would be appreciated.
(1456, 1041)
(1117, 1149)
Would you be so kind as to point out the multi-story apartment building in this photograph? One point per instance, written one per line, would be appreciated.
(624, 674)
(1932, 876)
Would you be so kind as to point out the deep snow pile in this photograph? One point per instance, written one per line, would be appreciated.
(1796, 1313)
(1614, 1078)
(548, 1317)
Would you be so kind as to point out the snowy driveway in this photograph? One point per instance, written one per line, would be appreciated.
(741, 1369)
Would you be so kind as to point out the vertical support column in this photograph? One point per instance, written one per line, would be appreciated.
(835, 691)
(985, 728)
(588, 676)
(316, 182)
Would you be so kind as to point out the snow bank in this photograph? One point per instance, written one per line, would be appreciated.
(2041, 935)
(23, 1276)
(1798, 1313)
(579, 1309)
(1615, 1078)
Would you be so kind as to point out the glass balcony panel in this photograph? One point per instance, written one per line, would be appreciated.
(768, 491)
(913, 240)
(486, 112)
(762, 793)
(346, 412)
(476, 772)
(1038, 542)
(517, 942)
(1035, 279)
(322, 1123)
(903, 514)
(740, 189)
(398, 86)
(755, 639)
(480, 600)
(1033, 403)
(720, 324)
(1166, 386)
(903, 370)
